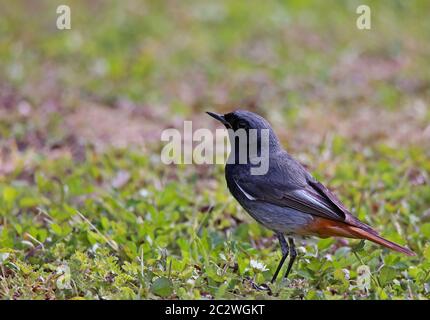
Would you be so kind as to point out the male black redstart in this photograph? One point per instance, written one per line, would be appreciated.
(287, 199)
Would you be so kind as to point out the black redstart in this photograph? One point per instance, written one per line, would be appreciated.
(287, 198)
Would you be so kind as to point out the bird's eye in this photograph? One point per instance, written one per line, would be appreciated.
(242, 124)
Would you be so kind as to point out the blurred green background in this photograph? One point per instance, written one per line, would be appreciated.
(88, 211)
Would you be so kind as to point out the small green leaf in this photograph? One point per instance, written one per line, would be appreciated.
(386, 275)
(325, 243)
(382, 294)
(56, 229)
(427, 252)
(9, 195)
(425, 229)
(28, 202)
(162, 287)
(358, 247)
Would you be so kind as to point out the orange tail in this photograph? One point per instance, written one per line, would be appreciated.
(362, 234)
(329, 228)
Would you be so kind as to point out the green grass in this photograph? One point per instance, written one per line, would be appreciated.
(87, 210)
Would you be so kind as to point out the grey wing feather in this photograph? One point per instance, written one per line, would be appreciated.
(290, 185)
(334, 200)
(303, 199)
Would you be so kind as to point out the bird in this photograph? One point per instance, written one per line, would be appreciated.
(287, 199)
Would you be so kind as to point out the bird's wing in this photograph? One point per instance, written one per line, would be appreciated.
(307, 198)
(334, 200)
(328, 195)
(305, 194)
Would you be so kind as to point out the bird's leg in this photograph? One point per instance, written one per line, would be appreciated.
(285, 250)
(293, 254)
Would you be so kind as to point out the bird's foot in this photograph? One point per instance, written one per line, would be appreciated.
(261, 287)
(256, 286)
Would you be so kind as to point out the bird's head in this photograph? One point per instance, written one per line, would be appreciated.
(246, 121)
(241, 119)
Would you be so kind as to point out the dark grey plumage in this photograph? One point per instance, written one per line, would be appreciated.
(288, 199)
(287, 196)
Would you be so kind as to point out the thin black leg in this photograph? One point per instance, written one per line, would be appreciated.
(285, 251)
(293, 255)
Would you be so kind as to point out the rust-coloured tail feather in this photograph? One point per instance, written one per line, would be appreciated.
(363, 234)
(329, 228)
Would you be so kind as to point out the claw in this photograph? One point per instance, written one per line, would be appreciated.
(261, 287)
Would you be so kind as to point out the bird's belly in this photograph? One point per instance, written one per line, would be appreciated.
(278, 219)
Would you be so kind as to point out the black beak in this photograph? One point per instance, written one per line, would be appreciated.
(219, 118)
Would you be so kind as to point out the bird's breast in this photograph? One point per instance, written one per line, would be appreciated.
(273, 217)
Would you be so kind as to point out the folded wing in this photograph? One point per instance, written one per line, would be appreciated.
(310, 197)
